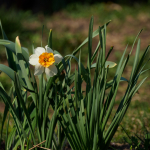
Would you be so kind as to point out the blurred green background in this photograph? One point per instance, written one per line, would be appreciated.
(69, 21)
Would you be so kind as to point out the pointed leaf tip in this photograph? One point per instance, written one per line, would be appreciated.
(110, 64)
(18, 41)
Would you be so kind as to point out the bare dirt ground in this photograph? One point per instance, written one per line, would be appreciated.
(117, 31)
(2, 106)
(113, 146)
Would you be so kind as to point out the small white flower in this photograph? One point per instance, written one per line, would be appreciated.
(44, 60)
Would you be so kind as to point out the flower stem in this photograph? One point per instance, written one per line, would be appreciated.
(40, 99)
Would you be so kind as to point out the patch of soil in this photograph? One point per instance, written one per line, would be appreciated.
(2, 106)
(2, 145)
(119, 146)
(116, 146)
(118, 31)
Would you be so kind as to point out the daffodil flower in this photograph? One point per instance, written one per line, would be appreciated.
(44, 60)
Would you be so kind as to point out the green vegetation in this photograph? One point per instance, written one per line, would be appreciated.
(126, 23)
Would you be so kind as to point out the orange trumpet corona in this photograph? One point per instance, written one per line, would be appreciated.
(46, 59)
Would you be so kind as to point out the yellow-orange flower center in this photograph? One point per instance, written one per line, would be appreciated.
(46, 59)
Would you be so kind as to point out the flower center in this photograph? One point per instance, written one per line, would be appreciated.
(46, 59)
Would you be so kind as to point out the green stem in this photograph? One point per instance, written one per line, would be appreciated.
(40, 100)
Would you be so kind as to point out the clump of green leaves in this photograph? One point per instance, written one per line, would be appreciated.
(84, 118)
(79, 116)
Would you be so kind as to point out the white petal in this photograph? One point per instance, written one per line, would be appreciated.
(48, 49)
(58, 58)
(51, 70)
(39, 50)
(33, 59)
(39, 69)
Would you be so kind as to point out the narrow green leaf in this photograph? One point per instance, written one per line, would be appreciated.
(8, 71)
(111, 96)
(108, 64)
(42, 35)
(9, 54)
(40, 116)
(121, 60)
(90, 42)
(95, 33)
(17, 88)
(50, 39)
(135, 40)
(5, 113)
(7, 132)
(10, 138)
(11, 46)
(136, 59)
(95, 52)
(109, 52)
(22, 64)
(52, 124)
(7, 100)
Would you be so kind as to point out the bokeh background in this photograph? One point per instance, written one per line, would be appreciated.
(69, 21)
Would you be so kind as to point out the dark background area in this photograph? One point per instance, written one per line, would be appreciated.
(50, 6)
